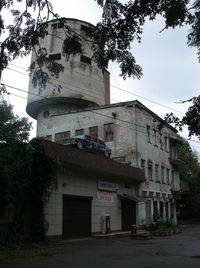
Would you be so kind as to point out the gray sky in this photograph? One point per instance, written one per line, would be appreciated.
(171, 69)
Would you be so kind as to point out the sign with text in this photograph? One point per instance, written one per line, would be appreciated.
(108, 186)
(105, 197)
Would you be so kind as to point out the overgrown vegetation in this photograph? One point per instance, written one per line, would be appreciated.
(189, 173)
(26, 180)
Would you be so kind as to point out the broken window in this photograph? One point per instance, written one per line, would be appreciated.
(94, 132)
(108, 132)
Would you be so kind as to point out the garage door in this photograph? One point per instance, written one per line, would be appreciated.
(128, 214)
(76, 217)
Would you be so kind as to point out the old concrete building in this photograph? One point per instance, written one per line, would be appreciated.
(137, 136)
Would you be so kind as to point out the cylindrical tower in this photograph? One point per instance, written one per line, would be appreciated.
(81, 84)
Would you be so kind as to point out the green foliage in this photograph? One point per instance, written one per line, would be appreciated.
(72, 46)
(12, 128)
(190, 172)
(27, 179)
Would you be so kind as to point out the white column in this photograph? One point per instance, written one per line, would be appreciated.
(164, 211)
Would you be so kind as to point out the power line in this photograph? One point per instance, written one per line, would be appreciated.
(127, 91)
(139, 131)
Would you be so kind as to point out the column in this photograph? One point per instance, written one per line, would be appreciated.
(164, 211)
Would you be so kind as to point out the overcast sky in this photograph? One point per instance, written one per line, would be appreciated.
(171, 69)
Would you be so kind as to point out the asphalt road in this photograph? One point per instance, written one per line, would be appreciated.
(181, 250)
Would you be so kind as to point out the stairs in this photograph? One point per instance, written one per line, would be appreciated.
(142, 234)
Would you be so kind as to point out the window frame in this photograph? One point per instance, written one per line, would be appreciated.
(81, 130)
(96, 132)
(108, 134)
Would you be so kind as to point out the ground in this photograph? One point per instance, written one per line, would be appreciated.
(180, 250)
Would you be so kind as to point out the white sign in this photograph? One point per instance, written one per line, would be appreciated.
(107, 186)
(105, 197)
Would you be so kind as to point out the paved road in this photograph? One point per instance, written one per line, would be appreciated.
(177, 251)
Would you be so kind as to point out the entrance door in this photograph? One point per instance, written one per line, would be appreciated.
(148, 212)
(128, 208)
(76, 217)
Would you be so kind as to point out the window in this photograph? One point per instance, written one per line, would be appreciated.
(94, 132)
(154, 137)
(48, 138)
(55, 56)
(168, 181)
(143, 165)
(85, 59)
(79, 132)
(150, 171)
(58, 25)
(157, 172)
(148, 133)
(163, 174)
(166, 144)
(61, 136)
(161, 141)
(84, 28)
(108, 132)
(173, 178)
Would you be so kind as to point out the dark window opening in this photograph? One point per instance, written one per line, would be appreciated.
(56, 56)
(85, 59)
(57, 25)
(84, 28)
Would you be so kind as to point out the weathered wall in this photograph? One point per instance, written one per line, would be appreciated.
(81, 186)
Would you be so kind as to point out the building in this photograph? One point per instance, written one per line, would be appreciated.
(137, 136)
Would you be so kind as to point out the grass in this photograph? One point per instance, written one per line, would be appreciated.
(12, 252)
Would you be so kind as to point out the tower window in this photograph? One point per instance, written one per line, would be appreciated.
(55, 56)
(85, 59)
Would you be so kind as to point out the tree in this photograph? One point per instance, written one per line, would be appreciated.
(190, 173)
(12, 128)
(122, 23)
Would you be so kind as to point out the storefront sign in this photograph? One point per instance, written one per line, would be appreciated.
(108, 186)
(105, 197)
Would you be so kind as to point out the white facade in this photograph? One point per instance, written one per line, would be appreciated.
(137, 141)
(135, 134)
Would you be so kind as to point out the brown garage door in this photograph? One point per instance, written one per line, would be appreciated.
(128, 208)
(76, 216)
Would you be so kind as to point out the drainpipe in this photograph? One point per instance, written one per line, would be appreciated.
(115, 131)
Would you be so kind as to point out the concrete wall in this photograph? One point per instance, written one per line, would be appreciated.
(79, 81)
(80, 186)
(130, 143)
